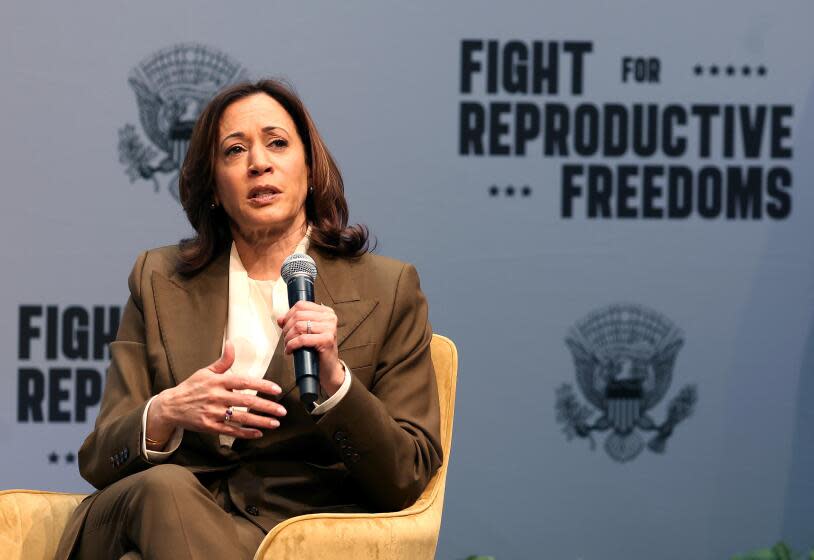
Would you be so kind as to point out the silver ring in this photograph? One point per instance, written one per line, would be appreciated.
(308, 327)
(228, 416)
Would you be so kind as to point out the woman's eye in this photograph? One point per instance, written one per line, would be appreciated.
(278, 143)
(232, 150)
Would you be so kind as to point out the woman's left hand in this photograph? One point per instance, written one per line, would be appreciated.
(322, 338)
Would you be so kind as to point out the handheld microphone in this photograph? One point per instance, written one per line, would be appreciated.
(299, 272)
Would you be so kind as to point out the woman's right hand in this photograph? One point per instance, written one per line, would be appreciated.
(199, 403)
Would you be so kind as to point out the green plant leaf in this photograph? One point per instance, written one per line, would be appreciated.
(762, 554)
(782, 551)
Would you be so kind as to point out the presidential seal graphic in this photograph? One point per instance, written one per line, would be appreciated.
(624, 356)
(171, 87)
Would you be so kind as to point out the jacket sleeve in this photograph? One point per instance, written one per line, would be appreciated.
(111, 451)
(389, 435)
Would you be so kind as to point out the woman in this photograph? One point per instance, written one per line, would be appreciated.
(197, 455)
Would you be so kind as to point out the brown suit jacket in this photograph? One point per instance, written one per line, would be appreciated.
(374, 451)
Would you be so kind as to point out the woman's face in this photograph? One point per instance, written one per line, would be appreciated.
(260, 171)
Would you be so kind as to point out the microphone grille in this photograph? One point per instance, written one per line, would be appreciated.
(298, 264)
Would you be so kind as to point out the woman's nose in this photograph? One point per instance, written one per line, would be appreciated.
(259, 162)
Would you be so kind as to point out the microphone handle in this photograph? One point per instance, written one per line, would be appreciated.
(306, 361)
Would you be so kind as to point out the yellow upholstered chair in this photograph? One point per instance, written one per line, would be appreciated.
(31, 522)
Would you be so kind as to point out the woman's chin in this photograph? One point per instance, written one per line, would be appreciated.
(266, 229)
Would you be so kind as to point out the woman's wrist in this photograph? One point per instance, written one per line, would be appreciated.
(335, 380)
(159, 427)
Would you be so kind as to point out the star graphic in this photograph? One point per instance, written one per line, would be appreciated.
(53, 457)
(70, 457)
(761, 70)
(713, 70)
(510, 191)
(730, 70)
(698, 69)
(526, 190)
(746, 70)
(493, 190)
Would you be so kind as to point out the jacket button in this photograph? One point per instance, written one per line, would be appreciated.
(340, 436)
(126, 453)
(252, 510)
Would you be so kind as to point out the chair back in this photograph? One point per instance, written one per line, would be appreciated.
(430, 505)
(445, 362)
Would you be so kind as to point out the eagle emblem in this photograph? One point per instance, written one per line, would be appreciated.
(171, 87)
(624, 356)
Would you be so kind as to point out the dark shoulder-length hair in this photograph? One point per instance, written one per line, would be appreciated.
(326, 209)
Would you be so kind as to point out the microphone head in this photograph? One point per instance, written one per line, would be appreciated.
(298, 264)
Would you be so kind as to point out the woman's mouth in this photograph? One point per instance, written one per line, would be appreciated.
(263, 195)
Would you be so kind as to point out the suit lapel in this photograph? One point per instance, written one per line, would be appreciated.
(336, 287)
(192, 316)
(281, 368)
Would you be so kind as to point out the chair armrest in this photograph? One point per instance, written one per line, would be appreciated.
(32, 522)
(409, 533)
